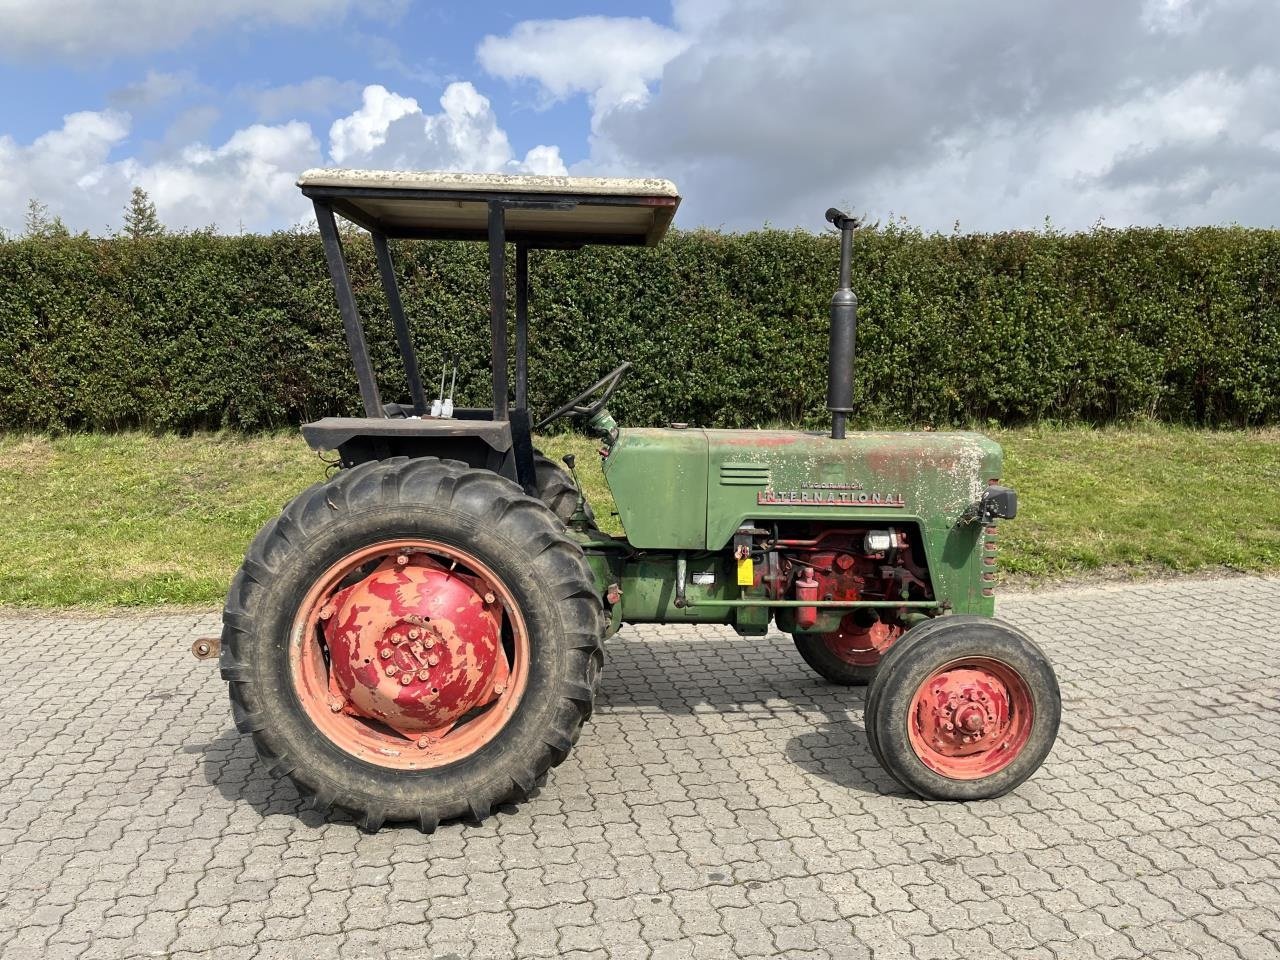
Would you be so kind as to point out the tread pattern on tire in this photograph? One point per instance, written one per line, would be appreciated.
(904, 655)
(556, 488)
(814, 651)
(530, 528)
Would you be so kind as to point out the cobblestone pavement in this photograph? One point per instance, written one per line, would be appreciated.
(721, 803)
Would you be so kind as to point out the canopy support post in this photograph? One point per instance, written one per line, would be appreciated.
(498, 305)
(386, 267)
(347, 308)
(522, 325)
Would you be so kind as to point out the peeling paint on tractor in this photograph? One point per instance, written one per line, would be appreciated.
(414, 646)
(691, 489)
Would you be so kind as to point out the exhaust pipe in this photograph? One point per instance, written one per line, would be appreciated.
(844, 329)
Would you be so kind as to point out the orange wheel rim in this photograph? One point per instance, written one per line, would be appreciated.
(861, 646)
(970, 718)
(314, 661)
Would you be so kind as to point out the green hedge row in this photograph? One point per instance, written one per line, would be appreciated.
(191, 331)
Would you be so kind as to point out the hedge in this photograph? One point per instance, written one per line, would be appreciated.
(196, 330)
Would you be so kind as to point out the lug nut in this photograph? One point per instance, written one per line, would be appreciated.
(406, 678)
(424, 742)
(402, 559)
(424, 673)
(392, 671)
(433, 660)
(335, 704)
(413, 634)
(489, 598)
(386, 653)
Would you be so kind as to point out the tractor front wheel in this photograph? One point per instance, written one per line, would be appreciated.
(414, 640)
(963, 708)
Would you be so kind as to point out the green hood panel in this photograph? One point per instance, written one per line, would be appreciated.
(692, 488)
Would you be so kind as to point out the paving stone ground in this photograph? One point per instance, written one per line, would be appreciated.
(721, 803)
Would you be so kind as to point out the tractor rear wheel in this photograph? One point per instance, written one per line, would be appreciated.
(963, 708)
(557, 490)
(850, 655)
(413, 640)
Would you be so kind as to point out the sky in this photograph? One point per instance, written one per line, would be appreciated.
(983, 115)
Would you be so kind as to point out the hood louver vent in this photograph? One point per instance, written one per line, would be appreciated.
(744, 475)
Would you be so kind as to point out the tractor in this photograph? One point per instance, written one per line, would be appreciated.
(420, 637)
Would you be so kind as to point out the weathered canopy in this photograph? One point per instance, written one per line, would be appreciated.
(538, 210)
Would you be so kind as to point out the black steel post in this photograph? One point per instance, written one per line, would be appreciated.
(347, 307)
(522, 326)
(844, 330)
(386, 267)
(498, 305)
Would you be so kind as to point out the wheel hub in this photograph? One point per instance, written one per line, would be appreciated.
(962, 712)
(415, 646)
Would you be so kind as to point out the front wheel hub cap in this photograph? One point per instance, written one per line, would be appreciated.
(415, 646)
(971, 718)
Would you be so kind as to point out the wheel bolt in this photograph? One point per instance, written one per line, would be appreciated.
(489, 598)
(500, 688)
(402, 559)
(335, 704)
(424, 742)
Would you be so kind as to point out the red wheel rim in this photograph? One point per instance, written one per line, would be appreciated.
(315, 668)
(970, 718)
(861, 646)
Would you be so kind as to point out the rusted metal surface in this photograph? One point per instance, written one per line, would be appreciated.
(206, 648)
(409, 654)
(970, 718)
(836, 565)
(415, 645)
(862, 644)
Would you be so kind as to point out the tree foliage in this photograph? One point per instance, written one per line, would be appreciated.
(140, 217)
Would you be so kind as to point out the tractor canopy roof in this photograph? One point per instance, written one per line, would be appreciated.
(538, 211)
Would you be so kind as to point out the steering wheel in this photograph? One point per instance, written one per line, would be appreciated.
(606, 386)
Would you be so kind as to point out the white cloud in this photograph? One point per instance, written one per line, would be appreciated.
(611, 59)
(365, 130)
(248, 181)
(994, 114)
(94, 29)
(391, 131)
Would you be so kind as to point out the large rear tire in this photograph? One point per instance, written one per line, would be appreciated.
(963, 708)
(509, 546)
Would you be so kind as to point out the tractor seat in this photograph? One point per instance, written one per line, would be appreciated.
(397, 411)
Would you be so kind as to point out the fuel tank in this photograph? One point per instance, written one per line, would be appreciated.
(690, 488)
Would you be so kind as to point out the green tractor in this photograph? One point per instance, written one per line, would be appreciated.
(420, 637)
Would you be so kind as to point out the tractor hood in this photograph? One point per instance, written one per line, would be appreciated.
(692, 488)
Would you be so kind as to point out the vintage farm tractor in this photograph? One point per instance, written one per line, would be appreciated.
(420, 637)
